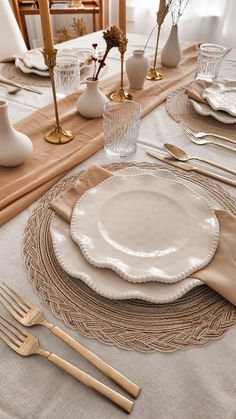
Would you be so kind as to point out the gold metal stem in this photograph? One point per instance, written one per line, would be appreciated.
(51, 73)
(122, 70)
(153, 73)
(121, 95)
(157, 43)
(58, 135)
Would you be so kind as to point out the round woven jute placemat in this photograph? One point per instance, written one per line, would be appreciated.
(181, 110)
(12, 73)
(195, 319)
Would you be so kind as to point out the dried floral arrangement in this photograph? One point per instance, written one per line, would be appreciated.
(177, 8)
(114, 38)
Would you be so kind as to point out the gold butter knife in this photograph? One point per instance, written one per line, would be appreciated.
(188, 167)
(11, 83)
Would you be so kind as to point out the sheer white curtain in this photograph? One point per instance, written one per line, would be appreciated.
(203, 21)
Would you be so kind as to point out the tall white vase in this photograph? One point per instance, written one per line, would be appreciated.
(171, 53)
(137, 66)
(15, 147)
(90, 103)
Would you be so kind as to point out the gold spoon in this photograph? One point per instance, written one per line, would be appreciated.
(180, 155)
(11, 89)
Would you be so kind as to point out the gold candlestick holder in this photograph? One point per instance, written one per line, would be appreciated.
(153, 74)
(121, 94)
(58, 135)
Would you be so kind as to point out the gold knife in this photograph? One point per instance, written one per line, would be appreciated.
(11, 83)
(189, 168)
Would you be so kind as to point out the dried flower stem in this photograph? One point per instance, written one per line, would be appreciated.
(153, 29)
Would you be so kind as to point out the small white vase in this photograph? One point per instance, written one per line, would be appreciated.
(137, 66)
(90, 103)
(171, 53)
(15, 147)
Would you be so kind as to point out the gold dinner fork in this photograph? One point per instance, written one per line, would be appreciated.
(28, 315)
(196, 140)
(201, 134)
(26, 344)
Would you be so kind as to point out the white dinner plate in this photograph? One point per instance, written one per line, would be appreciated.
(35, 61)
(145, 229)
(106, 282)
(206, 110)
(21, 66)
(222, 97)
(34, 58)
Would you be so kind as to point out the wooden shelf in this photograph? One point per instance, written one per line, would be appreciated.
(95, 8)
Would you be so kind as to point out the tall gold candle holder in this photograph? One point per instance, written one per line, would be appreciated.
(153, 74)
(58, 135)
(121, 94)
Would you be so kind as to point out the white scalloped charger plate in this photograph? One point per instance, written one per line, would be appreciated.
(34, 59)
(144, 229)
(22, 67)
(222, 97)
(106, 282)
(206, 110)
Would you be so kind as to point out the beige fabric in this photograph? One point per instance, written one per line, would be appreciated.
(194, 91)
(219, 274)
(22, 185)
(64, 203)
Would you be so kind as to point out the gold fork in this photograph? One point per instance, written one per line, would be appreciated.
(202, 134)
(28, 315)
(196, 140)
(26, 344)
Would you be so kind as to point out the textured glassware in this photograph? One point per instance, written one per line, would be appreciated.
(209, 61)
(67, 74)
(121, 122)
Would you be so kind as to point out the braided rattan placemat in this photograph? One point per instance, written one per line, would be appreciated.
(12, 73)
(195, 319)
(181, 110)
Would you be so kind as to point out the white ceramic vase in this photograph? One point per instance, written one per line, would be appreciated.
(90, 103)
(171, 53)
(137, 66)
(15, 147)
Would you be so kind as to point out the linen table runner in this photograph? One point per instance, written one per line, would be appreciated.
(21, 186)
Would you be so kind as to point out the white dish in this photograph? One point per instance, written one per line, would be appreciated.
(222, 97)
(206, 110)
(21, 66)
(106, 282)
(145, 229)
(34, 59)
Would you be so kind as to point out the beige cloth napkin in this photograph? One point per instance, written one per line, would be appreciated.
(219, 274)
(21, 186)
(194, 91)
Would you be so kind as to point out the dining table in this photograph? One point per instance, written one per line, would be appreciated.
(195, 381)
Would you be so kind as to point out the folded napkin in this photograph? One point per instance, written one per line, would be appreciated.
(194, 91)
(219, 274)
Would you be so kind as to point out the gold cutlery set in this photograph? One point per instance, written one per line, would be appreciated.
(180, 157)
(19, 86)
(26, 344)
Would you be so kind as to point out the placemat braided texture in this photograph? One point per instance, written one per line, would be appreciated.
(12, 73)
(195, 319)
(181, 110)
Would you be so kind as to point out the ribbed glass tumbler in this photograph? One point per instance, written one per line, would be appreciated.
(121, 122)
(67, 74)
